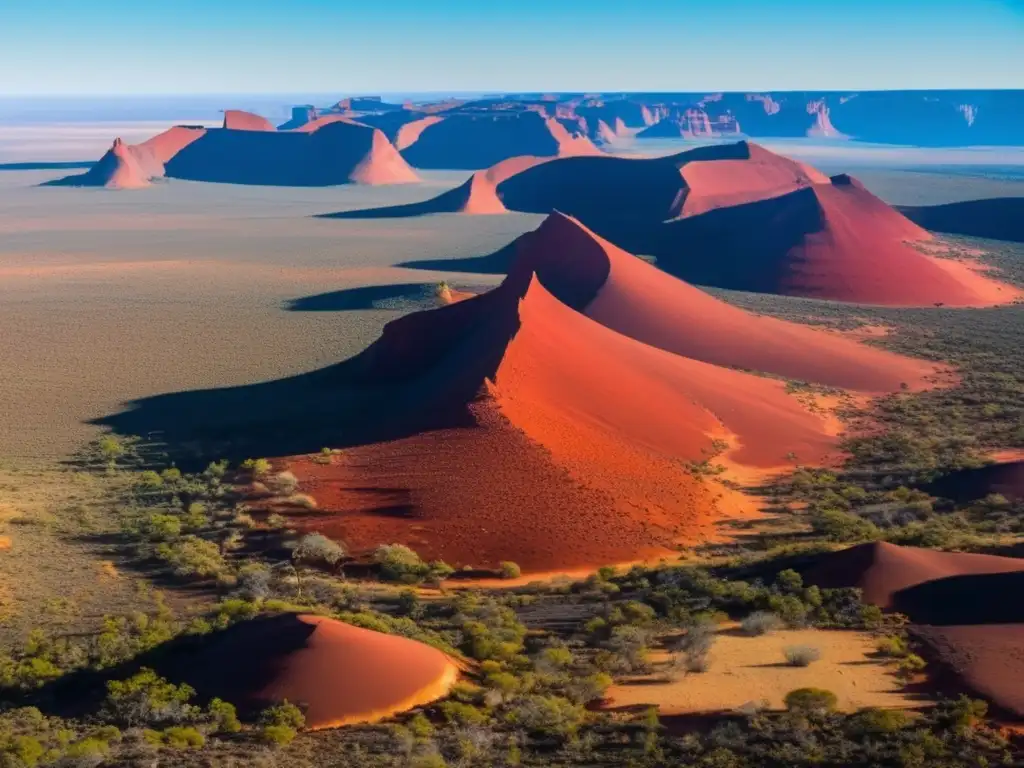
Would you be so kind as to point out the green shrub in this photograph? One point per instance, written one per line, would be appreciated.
(317, 548)
(146, 698)
(162, 527)
(224, 716)
(192, 556)
(551, 715)
(399, 563)
(284, 713)
(837, 525)
(20, 751)
(892, 646)
(509, 570)
(256, 467)
(462, 714)
(277, 735)
(811, 701)
(909, 666)
(149, 480)
(875, 720)
(182, 737)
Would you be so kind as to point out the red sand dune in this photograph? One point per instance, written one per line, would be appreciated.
(329, 150)
(479, 140)
(638, 300)
(883, 570)
(717, 183)
(119, 168)
(339, 674)
(826, 241)
(987, 659)
(410, 133)
(239, 120)
(570, 446)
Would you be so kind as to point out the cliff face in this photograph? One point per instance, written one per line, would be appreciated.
(922, 118)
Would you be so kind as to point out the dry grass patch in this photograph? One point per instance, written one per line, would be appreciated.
(743, 669)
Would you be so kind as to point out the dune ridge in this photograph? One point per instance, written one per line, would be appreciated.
(338, 673)
(239, 120)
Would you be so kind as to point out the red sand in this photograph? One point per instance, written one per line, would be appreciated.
(832, 241)
(882, 569)
(246, 121)
(717, 183)
(382, 164)
(638, 300)
(987, 659)
(571, 443)
(339, 674)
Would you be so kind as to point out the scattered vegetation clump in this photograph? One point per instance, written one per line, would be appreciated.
(800, 655)
(761, 623)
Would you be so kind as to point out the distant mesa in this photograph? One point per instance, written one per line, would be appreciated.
(995, 219)
(302, 114)
(1005, 479)
(330, 150)
(475, 141)
(238, 120)
(338, 673)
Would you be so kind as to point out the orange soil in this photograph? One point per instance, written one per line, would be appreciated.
(640, 301)
(340, 674)
(246, 121)
(882, 569)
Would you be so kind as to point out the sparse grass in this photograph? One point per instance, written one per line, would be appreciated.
(800, 655)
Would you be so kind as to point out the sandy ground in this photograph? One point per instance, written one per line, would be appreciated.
(110, 296)
(752, 669)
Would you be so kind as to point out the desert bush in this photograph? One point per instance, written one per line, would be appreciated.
(399, 563)
(317, 548)
(192, 556)
(283, 483)
(550, 715)
(811, 701)
(837, 525)
(277, 735)
(695, 646)
(146, 698)
(800, 655)
(284, 713)
(224, 716)
(256, 467)
(892, 646)
(760, 623)
(909, 666)
(509, 570)
(462, 714)
(162, 527)
(176, 737)
(875, 720)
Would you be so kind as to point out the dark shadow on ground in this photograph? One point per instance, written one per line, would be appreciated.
(47, 166)
(417, 295)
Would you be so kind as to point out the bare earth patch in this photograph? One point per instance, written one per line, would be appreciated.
(753, 669)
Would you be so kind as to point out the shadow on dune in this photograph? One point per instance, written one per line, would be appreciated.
(995, 219)
(364, 297)
(967, 599)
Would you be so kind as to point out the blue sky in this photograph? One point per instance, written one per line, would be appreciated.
(340, 46)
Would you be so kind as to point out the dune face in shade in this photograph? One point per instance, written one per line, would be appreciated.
(337, 673)
(1005, 478)
(475, 141)
(996, 218)
(239, 120)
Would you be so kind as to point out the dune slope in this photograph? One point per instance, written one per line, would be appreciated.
(996, 219)
(119, 168)
(339, 674)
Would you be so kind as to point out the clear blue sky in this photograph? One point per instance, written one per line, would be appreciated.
(341, 46)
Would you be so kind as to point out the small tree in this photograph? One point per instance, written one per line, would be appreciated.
(399, 563)
(807, 701)
(147, 698)
(317, 548)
